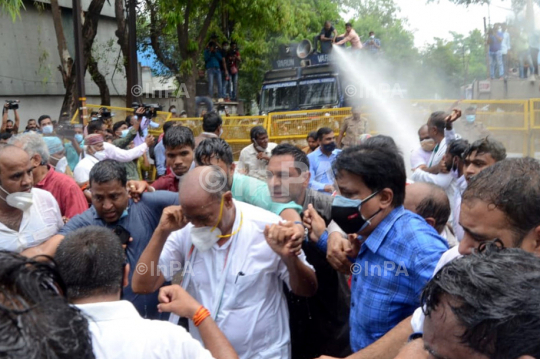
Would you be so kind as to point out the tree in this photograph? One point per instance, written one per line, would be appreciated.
(178, 34)
(12, 7)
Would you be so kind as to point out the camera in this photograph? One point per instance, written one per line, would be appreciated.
(13, 104)
(150, 110)
(65, 130)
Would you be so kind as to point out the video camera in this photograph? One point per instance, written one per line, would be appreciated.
(13, 104)
(65, 130)
(150, 110)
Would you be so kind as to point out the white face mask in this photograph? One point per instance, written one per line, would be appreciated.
(173, 110)
(204, 238)
(100, 155)
(47, 130)
(19, 200)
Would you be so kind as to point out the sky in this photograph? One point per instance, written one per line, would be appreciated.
(437, 19)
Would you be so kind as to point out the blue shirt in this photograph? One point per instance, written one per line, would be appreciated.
(393, 266)
(320, 166)
(71, 155)
(212, 59)
(495, 43)
(142, 220)
(159, 154)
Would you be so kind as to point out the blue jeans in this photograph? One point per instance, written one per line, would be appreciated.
(226, 85)
(234, 83)
(525, 56)
(495, 58)
(214, 73)
(207, 101)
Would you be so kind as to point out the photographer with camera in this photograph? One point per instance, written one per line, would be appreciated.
(144, 113)
(7, 124)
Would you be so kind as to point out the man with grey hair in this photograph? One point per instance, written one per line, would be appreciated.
(238, 257)
(29, 217)
(67, 193)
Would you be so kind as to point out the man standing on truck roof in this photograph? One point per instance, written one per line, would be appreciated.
(349, 36)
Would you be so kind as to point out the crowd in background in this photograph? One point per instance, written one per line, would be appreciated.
(327, 251)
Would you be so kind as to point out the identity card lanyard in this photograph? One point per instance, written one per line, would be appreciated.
(218, 294)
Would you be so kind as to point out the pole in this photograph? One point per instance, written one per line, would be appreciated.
(486, 47)
(79, 62)
(132, 44)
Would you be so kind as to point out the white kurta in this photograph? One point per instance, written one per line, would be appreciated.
(248, 162)
(253, 312)
(39, 223)
(118, 331)
(81, 174)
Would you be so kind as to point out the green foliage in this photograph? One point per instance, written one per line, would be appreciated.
(12, 8)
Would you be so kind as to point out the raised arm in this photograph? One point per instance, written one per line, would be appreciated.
(152, 279)
(17, 122)
(4, 117)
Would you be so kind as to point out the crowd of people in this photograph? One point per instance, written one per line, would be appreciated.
(329, 251)
(221, 64)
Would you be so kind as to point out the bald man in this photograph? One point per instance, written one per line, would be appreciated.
(430, 202)
(235, 258)
(28, 216)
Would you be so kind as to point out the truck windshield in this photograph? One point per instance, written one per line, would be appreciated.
(317, 93)
(279, 97)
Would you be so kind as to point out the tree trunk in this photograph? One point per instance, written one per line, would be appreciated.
(100, 81)
(122, 33)
(189, 98)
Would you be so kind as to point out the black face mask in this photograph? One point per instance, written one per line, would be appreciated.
(330, 147)
(346, 213)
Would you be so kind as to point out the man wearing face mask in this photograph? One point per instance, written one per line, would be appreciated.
(254, 158)
(29, 216)
(240, 256)
(46, 125)
(92, 155)
(471, 129)
(212, 126)
(69, 196)
(382, 235)
(420, 157)
(320, 160)
(57, 158)
(113, 209)
(450, 178)
(373, 45)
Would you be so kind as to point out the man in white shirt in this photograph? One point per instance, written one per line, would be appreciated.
(450, 172)
(92, 263)
(235, 258)
(93, 153)
(111, 152)
(420, 157)
(441, 131)
(28, 216)
(254, 158)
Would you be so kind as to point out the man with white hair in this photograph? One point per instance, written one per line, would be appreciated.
(29, 216)
(69, 196)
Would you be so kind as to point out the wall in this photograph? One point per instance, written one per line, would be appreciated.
(29, 59)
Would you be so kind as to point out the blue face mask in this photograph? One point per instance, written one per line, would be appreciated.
(124, 133)
(346, 213)
(78, 137)
(470, 118)
(125, 213)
